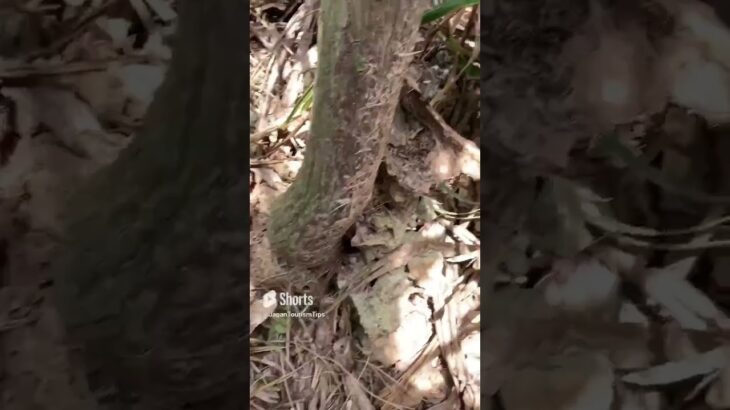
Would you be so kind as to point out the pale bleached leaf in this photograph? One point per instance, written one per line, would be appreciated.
(676, 371)
(629, 313)
(718, 395)
(704, 25)
(58, 109)
(462, 233)
(464, 257)
(697, 61)
(685, 303)
(699, 84)
(155, 47)
(268, 176)
(581, 283)
(679, 270)
(140, 82)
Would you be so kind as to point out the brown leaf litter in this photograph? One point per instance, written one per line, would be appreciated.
(75, 78)
(609, 297)
(376, 346)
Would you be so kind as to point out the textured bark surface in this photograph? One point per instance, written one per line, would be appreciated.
(365, 47)
(151, 280)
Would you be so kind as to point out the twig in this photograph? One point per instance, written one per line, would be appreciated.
(33, 70)
(18, 6)
(301, 121)
(344, 370)
(264, 162)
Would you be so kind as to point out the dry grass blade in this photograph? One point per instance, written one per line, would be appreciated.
(24, 70)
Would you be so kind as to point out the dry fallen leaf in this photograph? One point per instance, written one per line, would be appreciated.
(268, 176)
(427, 271)
(140, 82)
(583, 284)
(698, 83)
(117, 29)
(675, 371)
(718, 395)
(697, 65)
(397, 325)
(686, 304)
(464, 235)
(69, 119)
(156, 48)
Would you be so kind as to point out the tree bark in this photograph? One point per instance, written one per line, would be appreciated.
(151, 279)
(365, 47)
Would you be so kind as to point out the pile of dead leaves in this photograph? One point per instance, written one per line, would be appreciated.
(614, 295)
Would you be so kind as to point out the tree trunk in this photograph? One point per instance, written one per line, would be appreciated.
(151, 278)
(365, 47)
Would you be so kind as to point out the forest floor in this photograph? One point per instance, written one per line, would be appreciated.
(400, 323)
(76, 77)
(613, 294)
